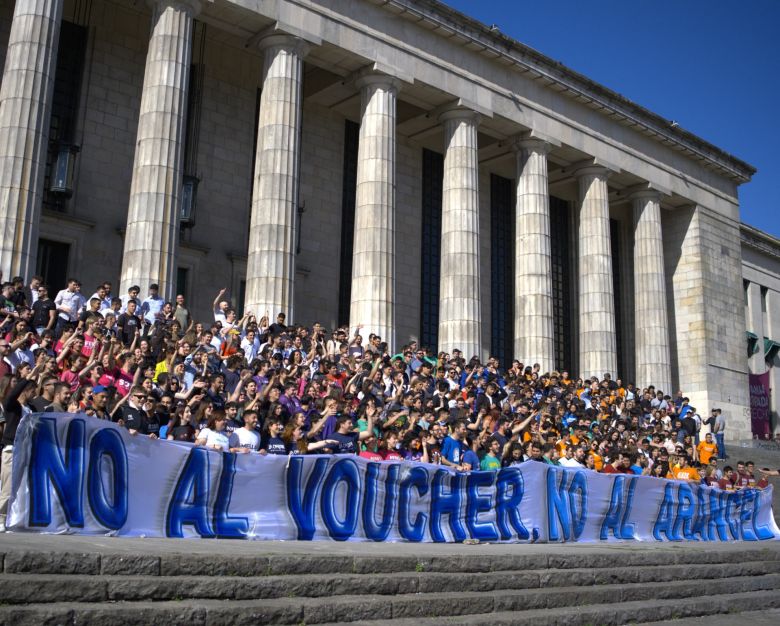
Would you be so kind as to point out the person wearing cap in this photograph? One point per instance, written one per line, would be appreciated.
(100, 402)
(152, 305)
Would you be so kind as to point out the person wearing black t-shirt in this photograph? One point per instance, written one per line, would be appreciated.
(128, 324)
(133, 415)
(347, 437)
(39, 403)
(271, 442)
(181, 428)
(278, 327)
(44, 311)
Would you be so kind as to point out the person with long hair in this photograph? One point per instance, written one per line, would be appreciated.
(214, 435)
(180, 426)
(203, 414)
(296, 442)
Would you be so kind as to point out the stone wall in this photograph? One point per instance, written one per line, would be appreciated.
(706, 314)
(106, 128)
(761, 267)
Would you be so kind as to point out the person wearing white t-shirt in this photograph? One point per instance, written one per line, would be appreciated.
(214, 435)
(574, 457)
(246, 439)
(220, 306)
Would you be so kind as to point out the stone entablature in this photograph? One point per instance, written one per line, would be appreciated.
(489, 42)
(760, 241)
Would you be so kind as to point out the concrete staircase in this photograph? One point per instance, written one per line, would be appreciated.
(219, 583)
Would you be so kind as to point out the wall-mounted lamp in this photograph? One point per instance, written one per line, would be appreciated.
(189, 195)
(62, 173)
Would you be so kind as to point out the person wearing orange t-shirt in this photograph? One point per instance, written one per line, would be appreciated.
(683, 471)
(598, 461)
(706, 449)
(564, 442)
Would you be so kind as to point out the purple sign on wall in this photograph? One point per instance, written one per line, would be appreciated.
(759, 405)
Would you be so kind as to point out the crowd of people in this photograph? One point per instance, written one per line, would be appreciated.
(251, 385)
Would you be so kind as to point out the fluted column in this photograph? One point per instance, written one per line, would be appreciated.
(152, 235)
(534, 324)
(271, 257)
(373, 261)
(460, 319)
(596, 293)
(25, 112)
(653, 361)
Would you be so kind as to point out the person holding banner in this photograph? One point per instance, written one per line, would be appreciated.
(214, 435)
(452, 448)
(15, 407)
(246, 439)
(347, 438)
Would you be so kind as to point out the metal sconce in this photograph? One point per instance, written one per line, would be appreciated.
(62, 173)
(189, 194)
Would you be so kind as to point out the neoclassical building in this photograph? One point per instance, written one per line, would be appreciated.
(389, 163)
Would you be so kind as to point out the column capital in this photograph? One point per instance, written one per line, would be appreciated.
(284, 41)
(192, 7)
(532, 144)
(591, 167)
(369, 76)
(643, 191)
(458, 112)
(534, 141)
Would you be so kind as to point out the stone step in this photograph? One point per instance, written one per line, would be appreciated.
(764, 617)
(177, 564)
(720, 610)
(354, 608)
(26, 588)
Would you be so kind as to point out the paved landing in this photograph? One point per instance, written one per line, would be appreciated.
(23, 541)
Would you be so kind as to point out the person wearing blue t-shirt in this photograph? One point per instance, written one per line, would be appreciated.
(452, 447)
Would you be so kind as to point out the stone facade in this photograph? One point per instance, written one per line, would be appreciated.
(761, 284)
(270, 163)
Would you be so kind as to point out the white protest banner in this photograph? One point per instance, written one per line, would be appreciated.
(81, 475)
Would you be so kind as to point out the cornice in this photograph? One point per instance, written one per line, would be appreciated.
(493, 44)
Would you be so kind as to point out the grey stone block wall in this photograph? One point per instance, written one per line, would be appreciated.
(706, 311)
(317, 264)
(106, 131)
(485, 253)
(408, 222)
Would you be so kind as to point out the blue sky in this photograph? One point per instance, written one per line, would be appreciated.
(711, 65)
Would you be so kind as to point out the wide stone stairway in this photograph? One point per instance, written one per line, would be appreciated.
(102, 580)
